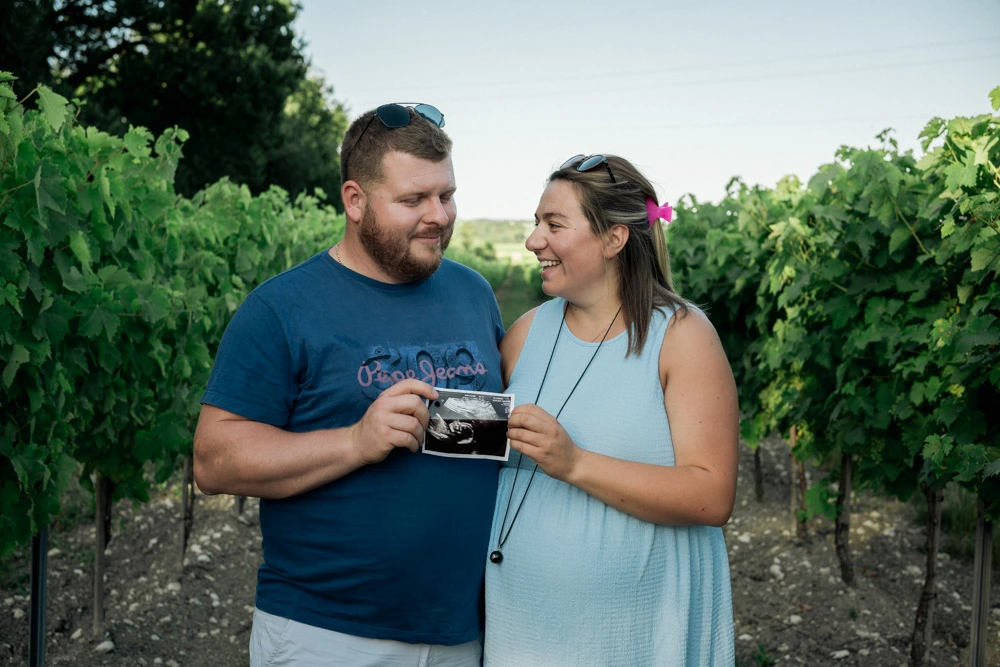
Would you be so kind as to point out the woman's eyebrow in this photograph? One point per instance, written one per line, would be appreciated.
(550, 214)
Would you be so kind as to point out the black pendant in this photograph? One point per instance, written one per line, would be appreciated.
(496, 557)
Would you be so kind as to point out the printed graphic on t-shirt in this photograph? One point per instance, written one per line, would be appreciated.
(454, 366)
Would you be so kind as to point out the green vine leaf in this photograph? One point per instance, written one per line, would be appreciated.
(78, 244)
(53, 107)
(137, 141)
(19, 355)
(49, 191)
(98, 320)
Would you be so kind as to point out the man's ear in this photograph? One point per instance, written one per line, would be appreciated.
(354, 199)
(615, 240)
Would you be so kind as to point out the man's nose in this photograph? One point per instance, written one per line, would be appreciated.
(437, 213)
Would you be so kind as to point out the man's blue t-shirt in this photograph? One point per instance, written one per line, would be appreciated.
(393, 550)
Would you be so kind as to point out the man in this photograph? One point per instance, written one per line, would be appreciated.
(373, 552)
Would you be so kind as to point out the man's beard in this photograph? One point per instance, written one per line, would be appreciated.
(392, 253)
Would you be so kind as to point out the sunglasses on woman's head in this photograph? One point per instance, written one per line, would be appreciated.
(398, 115)
(588, 162)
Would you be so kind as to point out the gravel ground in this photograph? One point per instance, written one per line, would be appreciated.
(790, 605)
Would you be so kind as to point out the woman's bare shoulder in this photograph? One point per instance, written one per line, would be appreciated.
(690, 339)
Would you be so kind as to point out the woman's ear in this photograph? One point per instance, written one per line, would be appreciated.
(354, 199)
(615, 240)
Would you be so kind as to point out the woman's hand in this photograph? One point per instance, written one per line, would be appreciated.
(536, 434)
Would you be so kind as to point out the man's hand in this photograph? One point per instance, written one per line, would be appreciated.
(397, 418)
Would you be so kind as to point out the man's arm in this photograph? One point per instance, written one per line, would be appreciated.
(239, 456)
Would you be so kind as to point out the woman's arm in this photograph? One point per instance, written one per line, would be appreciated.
(701, 405)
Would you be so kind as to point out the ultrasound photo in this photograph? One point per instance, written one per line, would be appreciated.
(468, 424)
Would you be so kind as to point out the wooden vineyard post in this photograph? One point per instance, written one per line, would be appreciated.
(758, 476)
(793, 485)
(39, 593)
(842, 524)
(798, 484)
(981, 588)
(102, 510)
(801, 526)
(187, 510)
(924, 623)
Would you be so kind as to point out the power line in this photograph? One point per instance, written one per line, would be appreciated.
(923, 48)
(797, 122)
(592, 91)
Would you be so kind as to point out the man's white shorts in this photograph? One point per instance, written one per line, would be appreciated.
(280, 642)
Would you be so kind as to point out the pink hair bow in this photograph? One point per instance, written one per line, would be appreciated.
(666, 212)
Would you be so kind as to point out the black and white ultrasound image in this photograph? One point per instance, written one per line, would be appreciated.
(468, 424)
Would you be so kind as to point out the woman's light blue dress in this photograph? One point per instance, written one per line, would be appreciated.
(582, 583)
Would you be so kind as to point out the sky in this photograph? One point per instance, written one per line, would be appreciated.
(692, 92)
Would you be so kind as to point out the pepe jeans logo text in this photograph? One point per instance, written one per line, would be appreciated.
(456, 366)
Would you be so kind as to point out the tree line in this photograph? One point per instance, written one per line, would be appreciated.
(232, 74)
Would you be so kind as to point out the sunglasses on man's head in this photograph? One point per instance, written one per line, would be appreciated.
(398, 115)
(588, 162)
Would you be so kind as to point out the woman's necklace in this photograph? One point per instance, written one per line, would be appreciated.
(496, 556)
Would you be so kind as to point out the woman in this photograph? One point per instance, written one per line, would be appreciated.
(606, 546)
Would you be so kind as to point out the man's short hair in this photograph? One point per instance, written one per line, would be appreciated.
(362, 161)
